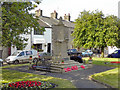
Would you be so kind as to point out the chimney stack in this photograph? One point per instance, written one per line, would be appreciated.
(38, 13)
(54, 15)
(67, 17)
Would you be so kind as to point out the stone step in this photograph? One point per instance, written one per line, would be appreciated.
(59, 67)
(64, 64)
(56, 71)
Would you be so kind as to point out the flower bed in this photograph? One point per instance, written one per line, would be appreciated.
(28, 85)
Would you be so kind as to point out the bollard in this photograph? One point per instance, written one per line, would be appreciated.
(84, 62)
(90, 62)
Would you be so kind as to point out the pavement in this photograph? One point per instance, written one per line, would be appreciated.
(79, 78)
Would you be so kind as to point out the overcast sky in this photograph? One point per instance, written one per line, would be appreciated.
(74, 7)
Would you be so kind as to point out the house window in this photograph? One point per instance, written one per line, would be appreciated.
(38, 32)
(38, 46)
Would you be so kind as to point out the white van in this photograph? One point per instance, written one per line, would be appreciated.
(22, 56)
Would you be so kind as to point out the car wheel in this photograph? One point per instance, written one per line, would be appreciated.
(111, 56)
(16, 62)
(8, 63)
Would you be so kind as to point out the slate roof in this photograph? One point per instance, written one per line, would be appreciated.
(48, 22)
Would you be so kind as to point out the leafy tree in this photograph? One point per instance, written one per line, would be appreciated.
(16, 21)
(94, 30)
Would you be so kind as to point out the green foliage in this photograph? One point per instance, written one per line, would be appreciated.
(94, 30)
(17, 21)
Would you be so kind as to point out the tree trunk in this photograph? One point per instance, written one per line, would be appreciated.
(102, 52)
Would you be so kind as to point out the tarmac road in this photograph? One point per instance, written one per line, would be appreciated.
(79, 78)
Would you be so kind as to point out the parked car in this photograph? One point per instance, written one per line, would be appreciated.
(72, 51)
(1, 62)
(45, 55)
(115, 54)
(22, 56)
(77, 58)
(88, 52)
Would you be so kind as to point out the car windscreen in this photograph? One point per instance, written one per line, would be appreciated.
(115, 52)
(15, 53)
(73, 50)
(21, 54)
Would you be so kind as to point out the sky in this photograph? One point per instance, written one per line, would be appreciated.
(74, 7)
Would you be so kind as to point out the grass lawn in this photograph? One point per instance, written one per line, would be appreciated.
(9, 76)
(109, 77)
(103, 61)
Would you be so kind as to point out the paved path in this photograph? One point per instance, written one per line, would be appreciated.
(78, 78)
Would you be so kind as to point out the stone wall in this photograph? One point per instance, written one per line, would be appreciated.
(3, 52)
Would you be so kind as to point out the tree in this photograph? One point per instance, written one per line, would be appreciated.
(16, 21)
(94, 30)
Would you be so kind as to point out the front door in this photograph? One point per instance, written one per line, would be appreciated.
(49, 48)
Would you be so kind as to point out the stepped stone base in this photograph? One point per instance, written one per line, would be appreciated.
(67, 66)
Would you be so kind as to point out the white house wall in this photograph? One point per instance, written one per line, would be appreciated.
(36, 39)
(48, 35)
(42, 39)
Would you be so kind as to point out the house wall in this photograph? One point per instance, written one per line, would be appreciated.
(43, 39)
(36, 39)
(4, 52)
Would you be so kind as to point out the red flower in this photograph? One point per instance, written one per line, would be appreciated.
(30, 82)
(29, 85)
(24, 84)
(39, 83)
(115, 62)
(21, 81)
(32, 85)
(24, 81)
(35, 83)
(68, 69)
(75, 67)
(10, 85)
(65, 70)
(82, 67)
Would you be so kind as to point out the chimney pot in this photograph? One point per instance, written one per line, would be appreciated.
(67, 17)
(54, 15)
(38, 12)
